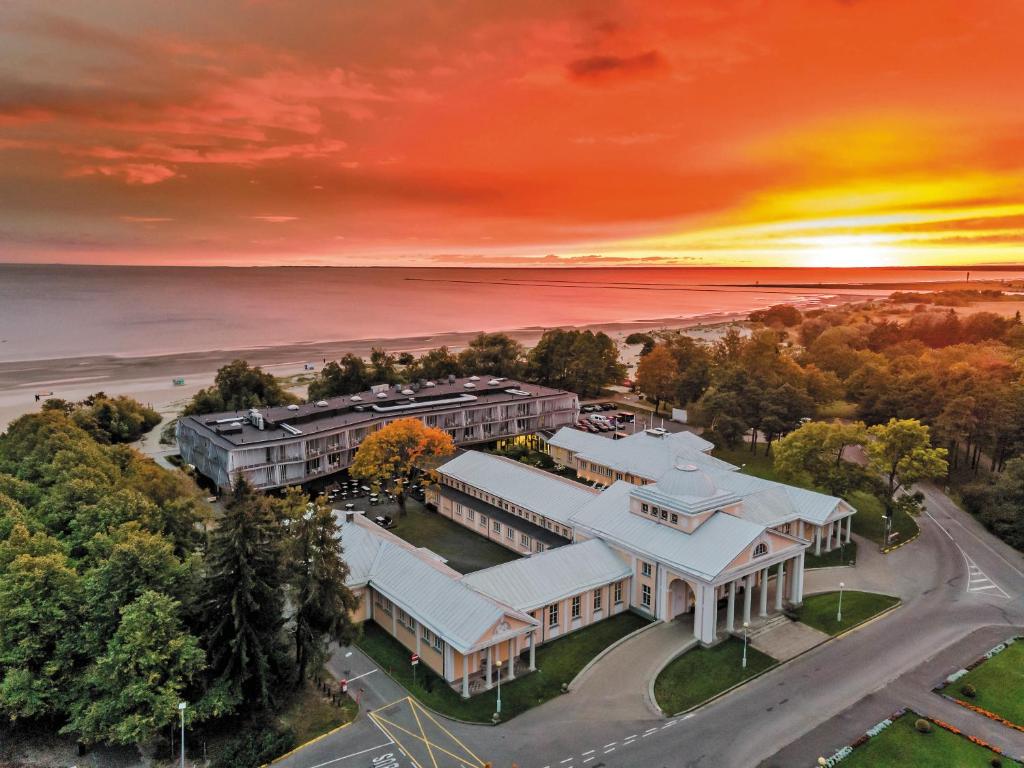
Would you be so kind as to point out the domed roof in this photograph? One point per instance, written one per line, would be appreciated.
(687, 481)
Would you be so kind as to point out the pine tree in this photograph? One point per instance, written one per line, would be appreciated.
(245, 597)
(321, 601)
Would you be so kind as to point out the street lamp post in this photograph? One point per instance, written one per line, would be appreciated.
(498, 665)
(181, 709)
(839, 611)
(746, 625)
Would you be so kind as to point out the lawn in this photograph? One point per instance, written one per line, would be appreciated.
(819, 611)
(999, 683)
(310, 713)
(558, 662)
(901, 745)
(465, 550)
(844, 555)
(701, 673)
(757, 464)
(869, 521)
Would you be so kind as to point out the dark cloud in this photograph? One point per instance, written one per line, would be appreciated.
(594, 68)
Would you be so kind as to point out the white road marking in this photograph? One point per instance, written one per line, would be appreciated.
(975, 576)
(567, 760)
(609, 750)
(588, 760)
(354, 754)
(612, 744)
(589, 752)
(357, 677)
(348, 654)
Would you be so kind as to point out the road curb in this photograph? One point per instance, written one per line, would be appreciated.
(314, 740)
(778, 664)
(609, 649)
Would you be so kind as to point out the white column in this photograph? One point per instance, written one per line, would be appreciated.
(698, 607)
(533, 652)
(828, 541)
(764, 593)
(780, 586)
(794, 578)
(511, 658)
(849, 529)
(730, 611)
(748, 589)
(798, 596)
(704, 619)
(490, 665)
(465, 677)
(817, 540)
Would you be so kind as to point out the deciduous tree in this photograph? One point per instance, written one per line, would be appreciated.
(901, 451)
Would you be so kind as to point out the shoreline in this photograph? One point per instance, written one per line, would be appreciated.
(149, 378)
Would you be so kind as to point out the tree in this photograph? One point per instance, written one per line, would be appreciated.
(133, 689)
(693, 367)
(383, 367)
(646, 340)
(813, 454)
(778, 315)
(244, 603)
(239, 386)
(657, 376)
(579, 361)
(108, 419)
(493, 354)
(998, 503)
(901, 451)
(345, 377)
(40, 600)
(436, 364)
(388, 456)
(322, 604)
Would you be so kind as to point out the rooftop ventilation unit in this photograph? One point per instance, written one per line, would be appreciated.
(230, 428)
(381, 395)
(408, 392)
(474, 378)
(256, 419)
(469, 385)
(355, 398)
(656, 432)
(293, 407)
(494, 382)
(518, 392)
(321, 403)
(430, 384)
(291, 430)
(451, 378)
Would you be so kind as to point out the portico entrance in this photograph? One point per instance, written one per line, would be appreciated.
(679, 598)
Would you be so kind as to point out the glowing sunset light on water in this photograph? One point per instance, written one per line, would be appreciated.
(803, 132)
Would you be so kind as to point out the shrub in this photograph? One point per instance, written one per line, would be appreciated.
(254, 747)
(922, 725)
(995, 762)
(969, 691)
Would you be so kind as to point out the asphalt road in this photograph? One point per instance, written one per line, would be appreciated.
(962, 591)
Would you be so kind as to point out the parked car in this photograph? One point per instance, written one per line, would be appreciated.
(608, 406)
(625, 417)
(589, 408)
(598, 418)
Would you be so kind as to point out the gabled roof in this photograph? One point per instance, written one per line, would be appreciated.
(534, 489)
(545, 578)
(705, 553)
(419, 582)
(642, 454)
(814, 507)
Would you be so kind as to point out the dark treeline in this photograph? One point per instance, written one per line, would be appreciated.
(581, 361)
(119, 597)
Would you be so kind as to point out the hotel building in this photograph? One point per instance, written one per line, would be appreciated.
(296, 444)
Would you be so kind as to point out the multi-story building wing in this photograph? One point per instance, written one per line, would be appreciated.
(295, 444)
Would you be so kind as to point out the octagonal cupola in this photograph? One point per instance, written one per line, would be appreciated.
(683, 496)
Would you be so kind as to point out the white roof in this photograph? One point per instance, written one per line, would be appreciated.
(704, 553)
(641, 454)
(813, 507)
(534, 489)
(545, 578)
(419, 582)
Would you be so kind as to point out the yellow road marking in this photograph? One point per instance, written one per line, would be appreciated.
(451, 735)
(460, 758)
(377, 719)
(419, 724)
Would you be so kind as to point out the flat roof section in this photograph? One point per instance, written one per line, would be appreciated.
(549, 538)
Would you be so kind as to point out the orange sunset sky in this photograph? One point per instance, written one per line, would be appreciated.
(726, 132)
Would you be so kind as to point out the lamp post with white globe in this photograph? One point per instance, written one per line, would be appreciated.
(839, 610)
(181, 709)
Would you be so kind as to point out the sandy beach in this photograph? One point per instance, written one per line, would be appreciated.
(149, 379)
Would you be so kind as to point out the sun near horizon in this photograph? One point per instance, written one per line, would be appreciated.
(806, 133)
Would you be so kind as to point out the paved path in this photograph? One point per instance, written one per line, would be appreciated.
(788, 640)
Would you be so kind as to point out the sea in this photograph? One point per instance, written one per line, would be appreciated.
(58, 311)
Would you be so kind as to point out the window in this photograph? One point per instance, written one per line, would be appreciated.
(497, 527)
(761, 550)
(553, 615)
(576, 607)
(675, 519)
(645, 596)
(470, 514)
(654, 511)
(425, 633)
(597, 599)
(509, 533)
(786, 528)
(483, 521)
(437, 642)
(538, 547)
(664, 515)
(644, 508)
(524, 540)
(645, 569)
(458, 510)
(618, 593)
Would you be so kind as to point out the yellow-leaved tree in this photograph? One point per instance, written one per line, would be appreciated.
(388, 456)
